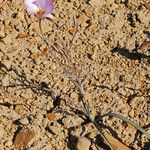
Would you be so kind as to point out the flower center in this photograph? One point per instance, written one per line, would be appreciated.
(40, 11)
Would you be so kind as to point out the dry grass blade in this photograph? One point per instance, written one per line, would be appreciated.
(117, 145)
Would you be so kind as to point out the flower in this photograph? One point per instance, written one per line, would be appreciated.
(40, 8)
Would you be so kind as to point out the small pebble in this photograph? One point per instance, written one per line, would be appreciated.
(97, 3)
(95, 52)
(83, 143)
(7, 39)
(2, 131)
(8, 143)
(121, 91)
(56, 128)
(131, 113)
(23, 137)
(28, 94)
(7, 63)
(5, 80)
(74, 95)
(24, 121)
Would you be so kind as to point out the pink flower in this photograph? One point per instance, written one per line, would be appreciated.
(40, 8)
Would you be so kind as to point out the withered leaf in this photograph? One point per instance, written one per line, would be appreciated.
(50, 116)
(34, 55)
(145, 45)
(23, 137)
(44, 52)
(22, 35)
(73, 30)
(117, 145)
(147, 5)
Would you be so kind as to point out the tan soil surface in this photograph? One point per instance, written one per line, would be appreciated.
(114, 69)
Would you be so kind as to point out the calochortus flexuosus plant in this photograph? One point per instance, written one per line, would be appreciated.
(44, 8)
(40, 8)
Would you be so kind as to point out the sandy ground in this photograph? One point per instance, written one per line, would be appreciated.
(38, 100)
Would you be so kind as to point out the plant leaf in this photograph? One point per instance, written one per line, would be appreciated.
(128, 121)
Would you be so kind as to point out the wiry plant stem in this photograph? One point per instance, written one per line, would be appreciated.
(75, 78)
(128, 121)
(40, 26)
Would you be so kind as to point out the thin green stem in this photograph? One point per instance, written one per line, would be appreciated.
(128, 121)
(40, 26)
(87, 110)
(102, 134)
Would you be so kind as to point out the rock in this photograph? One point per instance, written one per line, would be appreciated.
(83, 143)
(1, 55)
(24, 121)
(5, 80)
(74, 95)
(1, 1)
(95, 52)
(121, 91)
(50, 116)
(2, 28)
(2, 46)
(97, 3)
(2, 131)
(8, 143)
(28, 94)
(7, 39)
(7, 63)
(23, 137)
(83, 19)
(20, 16)
(71, 121)
(131, 113)
(56, 128)
(2, 33)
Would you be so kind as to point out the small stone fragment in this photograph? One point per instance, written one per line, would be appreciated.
(145, 46)
(2, 131)
(7, 63)
(95, 52)
(24, 121)
(83, 143)
(2, 33)
(7, 39)
(2, 30)
(5, 80)
(97, 3)
(20, 16)
(8, 143)
(23, 137)
(131, 113)
(121, 91)
(50, 116)
(28, 94)
(74, 95)
(147, 5)
(71, 121)
(55, 129)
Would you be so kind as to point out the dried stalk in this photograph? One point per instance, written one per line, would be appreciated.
(71, 71)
